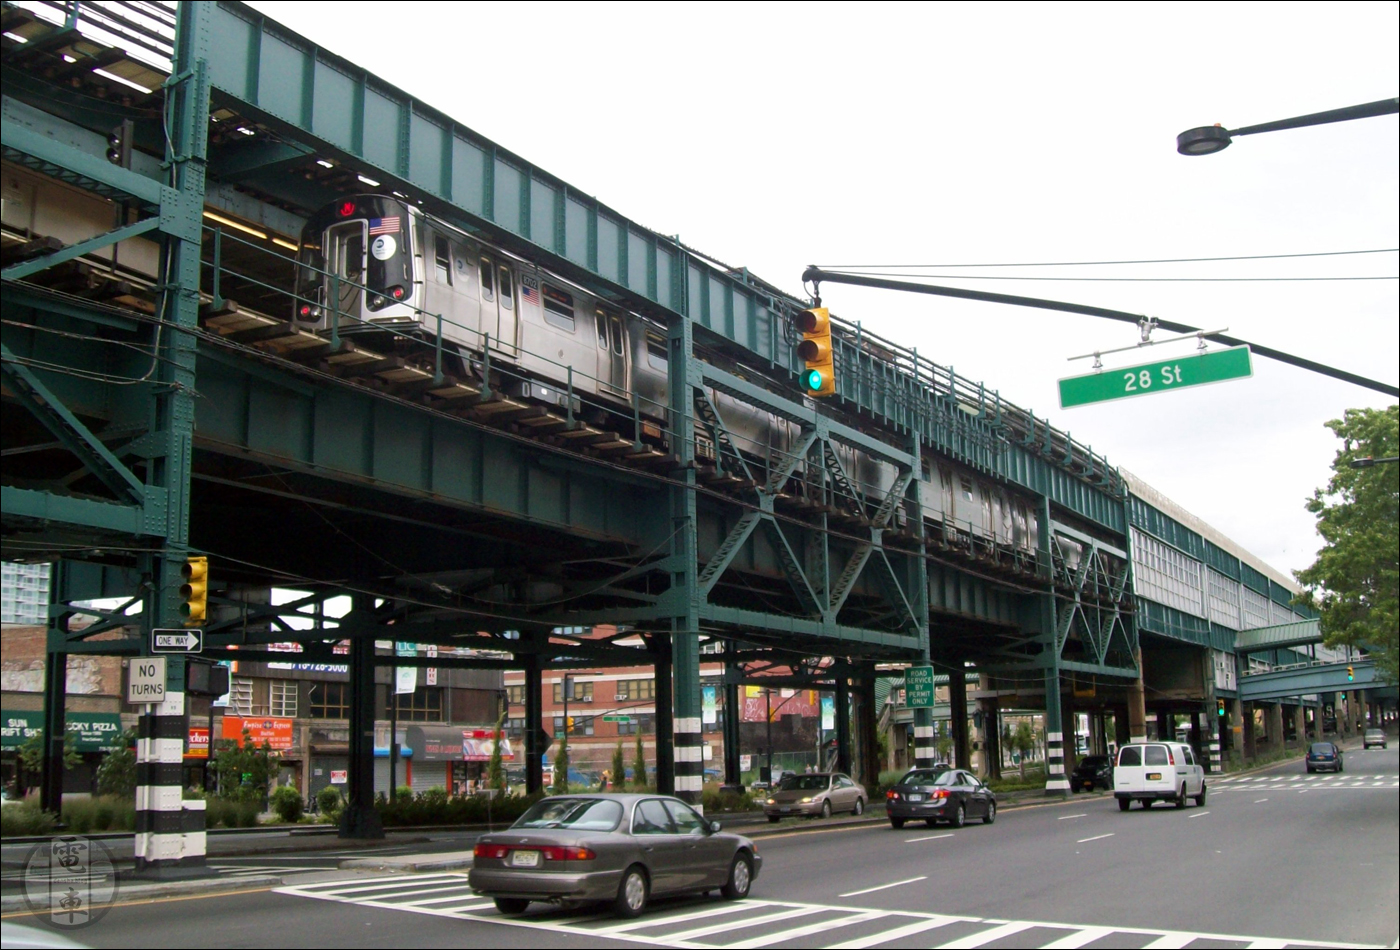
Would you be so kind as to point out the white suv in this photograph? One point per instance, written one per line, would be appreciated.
(1158, 772)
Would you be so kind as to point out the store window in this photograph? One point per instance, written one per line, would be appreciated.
(329, 700)
(282, 699)
(424, 704)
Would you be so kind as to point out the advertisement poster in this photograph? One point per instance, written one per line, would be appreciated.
(276, 732)
(708, 698)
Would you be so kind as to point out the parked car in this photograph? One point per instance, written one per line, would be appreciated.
(623, 849)
(935, 795)
(1091, 772)
(1324, 755)
(1373, 737)
(778, 776)
(1151, 772)
(816, 793)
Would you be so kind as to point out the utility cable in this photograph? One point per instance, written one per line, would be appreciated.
(1164, 260)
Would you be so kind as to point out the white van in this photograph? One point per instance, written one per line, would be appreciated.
(1158, 771)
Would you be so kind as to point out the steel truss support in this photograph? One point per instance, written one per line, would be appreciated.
(1095, 596)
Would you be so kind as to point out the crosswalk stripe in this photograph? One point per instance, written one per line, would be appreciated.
(678, 918)
(767, 940)
(1170, 941)
(898, 933)
(746, 922)
(985, 937)
(1076, 940)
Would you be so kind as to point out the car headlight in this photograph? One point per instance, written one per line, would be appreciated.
(807, 800)
(771, 801)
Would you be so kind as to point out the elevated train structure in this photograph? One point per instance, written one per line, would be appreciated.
(416, 369)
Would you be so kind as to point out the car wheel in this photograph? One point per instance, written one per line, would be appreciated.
(896, 823)
(991, 814)
(1181, 796)
(959, 817)
(740, 878)
(1148, 802)
(860, 807)
(1123, 803)
(1201, 798)
(773, 819)
(826, 809)
(512, 905)
(631, 897)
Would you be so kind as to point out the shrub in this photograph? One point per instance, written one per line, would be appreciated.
(287, 803)
(715, 800)
(330, 801)
(24, 818)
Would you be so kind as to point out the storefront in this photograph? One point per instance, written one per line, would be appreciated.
(278, 734)
(454, 757)
(94, 735)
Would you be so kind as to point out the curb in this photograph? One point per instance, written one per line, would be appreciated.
(377, 864)
(16, 903)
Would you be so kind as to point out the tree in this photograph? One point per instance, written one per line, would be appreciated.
(1021, 740)
(495, 771)
(244, 771)
(31, 753)
(561, 766)
(619, 767)
(639, 763)
(1355, 582)
(117, 773)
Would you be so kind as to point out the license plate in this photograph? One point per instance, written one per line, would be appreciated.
(785, 809)
(525, 859)
(1088, 786)
(916, 798)
(1154, 776)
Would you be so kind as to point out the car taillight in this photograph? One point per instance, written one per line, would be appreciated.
(892, 795)
(939, 793)
(490, 851)
(1171, 759)
(556, 853)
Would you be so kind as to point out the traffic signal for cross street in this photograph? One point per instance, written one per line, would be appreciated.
(1220, 707)
(195, 590)
(1351, 674)
(119, 144)
(819, 377)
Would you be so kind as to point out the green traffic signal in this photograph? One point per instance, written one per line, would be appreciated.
(814, 379)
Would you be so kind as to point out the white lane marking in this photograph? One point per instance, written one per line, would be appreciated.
(1063, 817)
(898, 933)
(927, 838)
(340, 888)
(986, 936)
(1258, 800)
(1095, 838)
(1170, 941)
(680, 918)
(1199, 814)
(871, 890)
(767, 940)
(693, 933)
(1076, 940)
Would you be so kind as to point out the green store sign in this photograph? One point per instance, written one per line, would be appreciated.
(92, 732)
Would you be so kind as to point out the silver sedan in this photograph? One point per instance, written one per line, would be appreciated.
(623, 849)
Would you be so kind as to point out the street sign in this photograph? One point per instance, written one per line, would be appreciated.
(146, 680)
(1128, 381)
(617, 719)
(918, 687)
(178, 640)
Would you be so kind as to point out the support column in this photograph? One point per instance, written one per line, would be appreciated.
(991, 728)
(55, 726)
(360, 819)
(1056, 782)
(1251, 735)
(1318, 715)
(668, 724)
(1354, 711)
(1237, 731)
(1121, 735)
(866, 728)
(160, 749)
(843, 725)
(921, 756)
(1137, 706)
(1214, 758)
(534, 725)
(1300, 725)
(1276, 739)
(732, 716)
(957, 715)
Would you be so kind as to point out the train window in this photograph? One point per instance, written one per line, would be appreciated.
(558, 308)
(488, 289)
(967, 488)
(600, 319)
(616, 323)
(507, 288)
(656, 351)
(442, 256)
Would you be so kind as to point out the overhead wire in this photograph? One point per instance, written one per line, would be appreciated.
(1164, 260)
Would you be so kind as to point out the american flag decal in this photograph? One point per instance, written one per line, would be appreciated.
(528, 291)
(384, 225)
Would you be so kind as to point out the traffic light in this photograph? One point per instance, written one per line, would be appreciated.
(819, 378)
(569, 725)
(119, 144)
(1220, 707)
(195, 590)
(1351, 674)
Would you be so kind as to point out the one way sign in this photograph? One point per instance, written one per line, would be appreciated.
(177, 641)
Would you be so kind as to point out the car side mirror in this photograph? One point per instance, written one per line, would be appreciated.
(714, 827)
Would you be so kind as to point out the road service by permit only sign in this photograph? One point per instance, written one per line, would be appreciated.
(146, 680)
(1127, 381)
(918, 687)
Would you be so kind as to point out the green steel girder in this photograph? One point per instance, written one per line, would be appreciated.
(1302, 680)
(72, 251)
(256, 159)
(68, 430)
(101, 516)
(32, 149)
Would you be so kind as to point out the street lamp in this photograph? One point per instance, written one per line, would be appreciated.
(1367, 461)
(1212, 138)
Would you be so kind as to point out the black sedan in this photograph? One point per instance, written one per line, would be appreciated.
(952, 796)
(1324, 755)
(623, 849)
(1091, 772)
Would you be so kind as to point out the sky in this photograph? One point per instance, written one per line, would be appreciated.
(774, 136)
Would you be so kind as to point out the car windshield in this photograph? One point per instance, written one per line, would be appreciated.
(1373, 733)
(921, 776)
(1094, 761)
(577, 814)
(804, 783)
(1320, 748)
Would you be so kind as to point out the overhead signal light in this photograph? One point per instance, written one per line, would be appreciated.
(819, 377)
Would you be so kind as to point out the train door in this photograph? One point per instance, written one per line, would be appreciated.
(612, 354)
(498, 304)
(345, 258)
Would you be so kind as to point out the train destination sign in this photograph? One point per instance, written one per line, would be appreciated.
(1127, 381)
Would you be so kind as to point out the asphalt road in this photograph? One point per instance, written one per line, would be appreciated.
(1276, 858)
